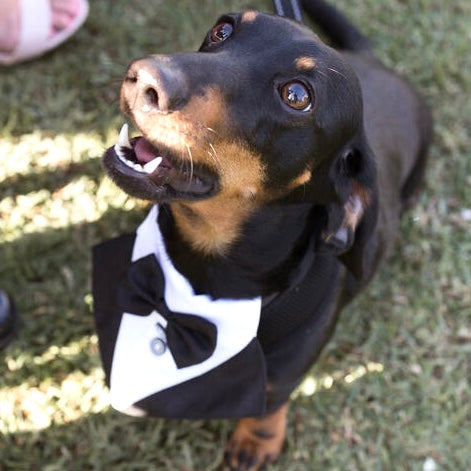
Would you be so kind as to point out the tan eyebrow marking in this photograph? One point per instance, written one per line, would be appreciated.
(305, 63)
(249, 16)
(302, 179)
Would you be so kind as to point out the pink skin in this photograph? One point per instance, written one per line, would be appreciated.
(63, 11)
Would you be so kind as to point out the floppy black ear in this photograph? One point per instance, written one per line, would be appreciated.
(351, 219)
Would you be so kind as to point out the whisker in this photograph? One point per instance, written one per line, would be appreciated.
(211, 130)
(337, 72)
(182, 161)
(214, 155)
(191, 161)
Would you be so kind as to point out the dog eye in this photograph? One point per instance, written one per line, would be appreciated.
(221, 32)
(296, 95)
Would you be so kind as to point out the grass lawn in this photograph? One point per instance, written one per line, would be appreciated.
(393, 388)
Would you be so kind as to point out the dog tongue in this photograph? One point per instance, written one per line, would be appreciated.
(145, 151)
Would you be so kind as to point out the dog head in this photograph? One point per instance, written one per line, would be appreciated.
(264, 112)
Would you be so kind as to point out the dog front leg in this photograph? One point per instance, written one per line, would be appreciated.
(256, 442)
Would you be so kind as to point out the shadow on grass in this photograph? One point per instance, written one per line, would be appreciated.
(110, 440)
(52, 180)
(48, 274)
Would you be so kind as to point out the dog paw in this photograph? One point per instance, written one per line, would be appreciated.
(256, 442)
(247, 454)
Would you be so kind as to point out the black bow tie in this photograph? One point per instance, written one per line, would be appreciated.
(191, 339)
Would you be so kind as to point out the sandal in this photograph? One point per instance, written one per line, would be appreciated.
(35, 30)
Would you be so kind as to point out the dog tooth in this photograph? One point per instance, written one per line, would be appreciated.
(119, 153)
(123, 138)
(150, 167)
(137, 167)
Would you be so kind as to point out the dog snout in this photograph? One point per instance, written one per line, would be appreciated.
(153, 85)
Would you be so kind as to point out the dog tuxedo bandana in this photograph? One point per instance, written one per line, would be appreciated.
(168, 352)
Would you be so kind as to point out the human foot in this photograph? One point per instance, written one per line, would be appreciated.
(31, 27)
(9, 25)
(62, 13)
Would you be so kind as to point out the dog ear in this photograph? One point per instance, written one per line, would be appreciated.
(342, 222)
(352, 218)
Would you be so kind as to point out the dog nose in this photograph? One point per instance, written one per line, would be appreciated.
(154, 85)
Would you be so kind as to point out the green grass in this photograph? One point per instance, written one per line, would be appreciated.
(392, 389)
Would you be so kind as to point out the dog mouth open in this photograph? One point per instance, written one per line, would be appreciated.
(141, 169)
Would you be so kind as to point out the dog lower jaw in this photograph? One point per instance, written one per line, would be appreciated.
(156, 180)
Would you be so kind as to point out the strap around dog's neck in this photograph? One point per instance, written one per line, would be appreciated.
(289, 9)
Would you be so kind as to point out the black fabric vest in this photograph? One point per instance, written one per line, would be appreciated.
(237, 387)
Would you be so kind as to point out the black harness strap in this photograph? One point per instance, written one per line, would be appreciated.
(288, 8)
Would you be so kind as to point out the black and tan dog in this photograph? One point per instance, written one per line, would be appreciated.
(281, 168)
